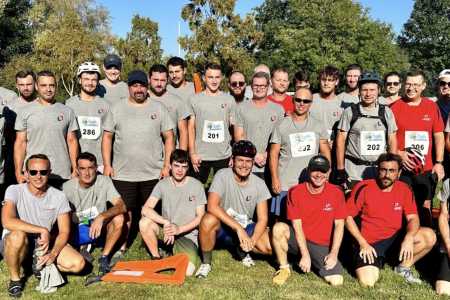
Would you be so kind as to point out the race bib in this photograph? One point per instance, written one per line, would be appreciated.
(372, 142)
(213, 132)
(90, 127)
(87, 214)
(418, 140)
(303, 144)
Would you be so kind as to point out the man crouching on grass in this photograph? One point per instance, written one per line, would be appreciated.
(314, 208)
(234, 196)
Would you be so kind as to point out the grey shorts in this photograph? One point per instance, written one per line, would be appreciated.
(317, 254)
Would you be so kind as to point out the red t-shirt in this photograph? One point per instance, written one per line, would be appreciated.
(423, 119)
(317, 211)
(381, 212)
(287, 104)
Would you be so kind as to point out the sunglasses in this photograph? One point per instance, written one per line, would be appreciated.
(444, 83)
(41, 172)
(300, 100)
(395, 83)
(236, 84)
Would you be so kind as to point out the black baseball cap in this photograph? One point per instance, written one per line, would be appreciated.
(112, 60)
(319, 163)
(137, 76)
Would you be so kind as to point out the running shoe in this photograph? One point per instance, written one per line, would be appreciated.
(281, 276)
(203, 271)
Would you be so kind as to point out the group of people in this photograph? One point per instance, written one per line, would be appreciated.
(255, 169)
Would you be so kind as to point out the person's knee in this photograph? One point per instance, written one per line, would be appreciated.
(428, 237)
(145, 224)
(334, 280)
(118, 221)
(280, 230)
(16, 240)
(209, 222)
(368, 277)
(75, 265)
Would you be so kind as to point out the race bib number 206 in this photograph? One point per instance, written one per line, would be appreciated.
(418, 140)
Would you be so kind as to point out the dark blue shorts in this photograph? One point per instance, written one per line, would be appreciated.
(227, 237)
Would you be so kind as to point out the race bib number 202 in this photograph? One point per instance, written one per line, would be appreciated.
(373, 142)
(303, 144)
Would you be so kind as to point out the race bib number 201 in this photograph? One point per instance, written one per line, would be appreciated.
(418, 140)
(213, 132)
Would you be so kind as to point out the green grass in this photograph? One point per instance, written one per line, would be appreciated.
(230, 280)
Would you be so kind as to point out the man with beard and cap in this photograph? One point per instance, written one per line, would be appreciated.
(90, 110)
(381, 204)
(237, 85)
(351, 93)
(178, 83)
(178, 109)
(280, 85)
(112, 88)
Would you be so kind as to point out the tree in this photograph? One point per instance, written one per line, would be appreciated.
(15, 32)
(218, 35)
(142, 46)
(426, 36)
(310, 34)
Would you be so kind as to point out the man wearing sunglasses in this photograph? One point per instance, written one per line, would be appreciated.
(294, 141)
(237, 85)
(29, 213)
(112, 88)
(366, 130)
(256, 119)
(392, 87)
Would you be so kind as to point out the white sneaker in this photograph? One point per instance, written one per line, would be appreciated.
(248, 261)
(203, 271)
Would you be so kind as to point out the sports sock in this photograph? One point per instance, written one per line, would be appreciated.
(206, 257)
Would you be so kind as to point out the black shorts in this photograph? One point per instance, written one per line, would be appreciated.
(134, 194)
(423, 185)
(444, 268)
(317, 254)
(206, 166)
(387, 249)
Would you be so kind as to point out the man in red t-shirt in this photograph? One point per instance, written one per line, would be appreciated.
(280, 85)
(420, 126)
(314, 208)
(381, 204)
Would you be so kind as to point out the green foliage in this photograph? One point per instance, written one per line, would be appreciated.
(426, 36)
(310, 34)
(15, 32)
(142, 46)
(218, 35)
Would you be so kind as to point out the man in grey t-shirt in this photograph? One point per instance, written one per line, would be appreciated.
(363, 137)
(178, 109)
(29, 213)
(234, 197)
(112, 89)
(45, 126)
(255, 120)
(351, 93)
(178, 83)
(89, 195)
(6, 96)
(295, 140)
(183, 206)
(90, 111)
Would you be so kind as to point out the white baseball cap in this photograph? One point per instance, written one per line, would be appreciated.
(444, 73)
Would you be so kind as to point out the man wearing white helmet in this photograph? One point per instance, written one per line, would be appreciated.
(90, 110)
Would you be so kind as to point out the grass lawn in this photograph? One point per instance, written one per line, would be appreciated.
(230, 280)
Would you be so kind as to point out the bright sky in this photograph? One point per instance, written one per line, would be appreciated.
(167, 14)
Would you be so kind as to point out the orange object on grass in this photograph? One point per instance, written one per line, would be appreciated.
(147, 271)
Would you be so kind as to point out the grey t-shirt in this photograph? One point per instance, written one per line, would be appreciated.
(138, 152)
(258, 123)
(90, 117)
(347, 98)
(47, 127)
(184, 92)
(213, 117)
(179, 203)
(299, 141)
(239, 201)
(112, 94)
(42, 211)
(178, 109)
(329, 112)
(366, 139)
(7, 96)
(88, 203)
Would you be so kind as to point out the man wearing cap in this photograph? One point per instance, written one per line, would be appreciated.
(294, 141)
(234, 197)
(112, 88)
(351, 93)
(255, 120)
(366, 130)
(381, 204)
(48, 127)
(178, 83)
(143, 140)
(317, 213)
(90, 111)
(212, 114)
(237, 85)
(178, 109)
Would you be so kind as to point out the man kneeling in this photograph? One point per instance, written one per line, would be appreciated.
(314, 208)
(381, 203)
(89, 195)
(234, 195)
(29, 213)
(183, 205)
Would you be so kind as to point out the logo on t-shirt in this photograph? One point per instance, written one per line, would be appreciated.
(223, 105)
(60, 117)
(248, 198)
(397, 206)
(426, 117)
(328, 207)
(191, 198)
(101, 111)
(153, 116)
(273, 118)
